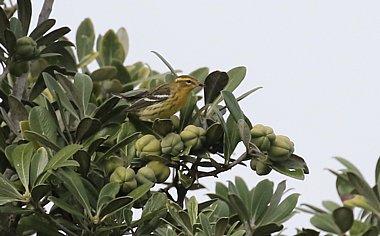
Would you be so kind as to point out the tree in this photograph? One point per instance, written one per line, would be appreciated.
(73, 162)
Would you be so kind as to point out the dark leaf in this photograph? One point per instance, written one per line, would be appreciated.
(17, 108)
(344, 218)
(105, 107)
(104, 73)
(66, 206)
(364, 189)
(4, 23)
(267, 229)
(42, 140)
(24, 9)
(53, 36)
(115, 205)
(214, 84)
(119, 145)
(373, 231)
(84, 160)
(87, 127)
(75, 186)
(38, 224)
(55, 46)
(40, 191)
(42, 28)
(10, 41)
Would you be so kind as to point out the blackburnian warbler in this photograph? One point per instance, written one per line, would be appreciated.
(163, 101)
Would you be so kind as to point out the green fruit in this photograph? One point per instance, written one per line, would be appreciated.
(112, 163)
(193, 136)
(19, 68)
(161, 171)
(26, 47)
(125, 176)
(262, 168)
(145, 175)
(281, 148)
(262, 136)
(172, 144)
(146, 146)
(253, 163)
(175, 121)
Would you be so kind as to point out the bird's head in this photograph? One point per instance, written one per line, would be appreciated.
(186, 83)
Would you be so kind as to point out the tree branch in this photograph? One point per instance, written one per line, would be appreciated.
(224, 168)
(45, 11)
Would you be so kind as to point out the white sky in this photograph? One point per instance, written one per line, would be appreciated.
(318, 61)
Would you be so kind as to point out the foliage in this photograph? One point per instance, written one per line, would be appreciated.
(73, 162)
(358, 213)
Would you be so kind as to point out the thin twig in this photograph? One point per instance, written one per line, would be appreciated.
(45, 11)
(225, 167)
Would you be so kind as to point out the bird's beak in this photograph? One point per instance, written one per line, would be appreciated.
(201, 85)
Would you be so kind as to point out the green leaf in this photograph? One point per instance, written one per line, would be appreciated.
(275, 200)
(8, 191)
(21, 157)
(233, 105)
(111, 49)
(364, 189)
(83, 89)
(187, 111)
(214, 84)
(192, 209)
(18, 109)
(16, 27)
(42, 122)
(284, 211)
(9, 122)
(85, 38)
(325, 222)
(373, 231)
(231, 137)
(206, 226)
(62, 155)
(107, 193)
(86, 60)
(38, 224)
(114, 206)
(59, 93)
(221, 226)
(71, 209)
(24, 10)
(124, 39)
(155, 203)
(104, 73)
(351, 167)
(42, 28)
(166, 63)
(238, 206)
(260, 198)
(330, 205)
(105, 107)
(294, 173)
(75, 186)
(52, 49)
(42, 140)
(119, 145)
(53, 36)
(245, 132)
(140, 191)
(343, 218)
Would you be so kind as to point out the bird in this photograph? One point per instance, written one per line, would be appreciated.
(164, 100)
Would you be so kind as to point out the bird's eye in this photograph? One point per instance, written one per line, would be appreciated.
(188, 82)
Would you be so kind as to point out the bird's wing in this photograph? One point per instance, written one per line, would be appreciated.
(159, 94)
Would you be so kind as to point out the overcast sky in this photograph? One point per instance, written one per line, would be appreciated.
(318, 61)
